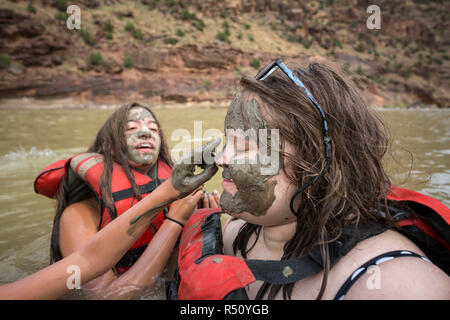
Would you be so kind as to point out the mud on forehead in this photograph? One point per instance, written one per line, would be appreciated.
(245, 112)
(139, 113)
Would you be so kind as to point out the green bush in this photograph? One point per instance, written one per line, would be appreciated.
(108, 27)
(360, 47)
(255, 63)
(92, 3)
(171, 3)
(306, 44)
(291, 38)
(247, 26)
(61, 16)
(186, 15)
(222, 36)
(337, 43)
(199, 25)
(109, 36)
(87, 37)
(31, 9)
(135, 33)
(179, 33)
(129, 27)
(5, 61)
(96, 59)
(346, 68)
(170, 41)
(61, 5)
(128, 62)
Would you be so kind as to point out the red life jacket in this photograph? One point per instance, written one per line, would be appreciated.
(204, 272)
(89, 166)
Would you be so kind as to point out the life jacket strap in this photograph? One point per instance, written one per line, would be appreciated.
(212, 242)
(280, 272)
(129, 193)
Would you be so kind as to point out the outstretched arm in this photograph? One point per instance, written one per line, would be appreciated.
(154, 259)
(107, 246)
(95, 257)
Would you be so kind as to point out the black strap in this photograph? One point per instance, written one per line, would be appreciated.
(340, 295)
(289, 270)
(292, 270)
(284, 271)
(128, 193)
(212, 242)
(176, 221)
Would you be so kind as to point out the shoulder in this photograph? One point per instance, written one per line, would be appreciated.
(402, 278)
(82, 212)
(78, 223)
(398, 278)
(83, 161)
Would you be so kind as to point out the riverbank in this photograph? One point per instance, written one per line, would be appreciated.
(27, 103)
(171, 54)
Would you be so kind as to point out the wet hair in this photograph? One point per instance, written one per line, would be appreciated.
(110, 141)
(355, 180)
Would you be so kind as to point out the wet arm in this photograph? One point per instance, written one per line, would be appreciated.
(95, 257)
(156, 256)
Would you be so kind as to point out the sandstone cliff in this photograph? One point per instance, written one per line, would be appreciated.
(165, 51)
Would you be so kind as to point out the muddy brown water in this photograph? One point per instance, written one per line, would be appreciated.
(32, 139)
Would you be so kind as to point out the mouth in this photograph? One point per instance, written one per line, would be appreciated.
(227, 182)
(145, 147)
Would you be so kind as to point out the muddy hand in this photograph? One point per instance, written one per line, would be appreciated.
(183, 177)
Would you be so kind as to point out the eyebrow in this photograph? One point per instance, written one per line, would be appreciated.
(153, 121)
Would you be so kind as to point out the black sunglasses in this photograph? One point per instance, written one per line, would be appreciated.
(265, 72)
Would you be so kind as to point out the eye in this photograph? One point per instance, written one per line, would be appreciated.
(131, 125)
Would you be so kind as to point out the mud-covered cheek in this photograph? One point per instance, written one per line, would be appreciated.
(157, 140)
(255, 193)
(131, 142)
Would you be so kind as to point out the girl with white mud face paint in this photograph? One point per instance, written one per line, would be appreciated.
(143, 139)
(133, 150)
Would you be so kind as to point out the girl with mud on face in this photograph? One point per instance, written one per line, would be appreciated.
(340, 187)
(128, 159)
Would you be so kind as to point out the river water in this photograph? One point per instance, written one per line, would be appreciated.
(32, 139)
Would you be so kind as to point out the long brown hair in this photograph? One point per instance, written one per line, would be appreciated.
(110, 141)
(355, 180)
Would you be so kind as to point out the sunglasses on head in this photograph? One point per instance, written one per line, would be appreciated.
(262, 75)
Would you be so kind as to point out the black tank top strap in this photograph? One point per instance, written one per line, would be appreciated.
(340, 295)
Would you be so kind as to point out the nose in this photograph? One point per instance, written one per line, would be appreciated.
(223, 157)
(144, 132)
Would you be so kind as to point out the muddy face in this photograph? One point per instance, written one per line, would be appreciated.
(246, 189)
(255, 193)
(142, 137)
